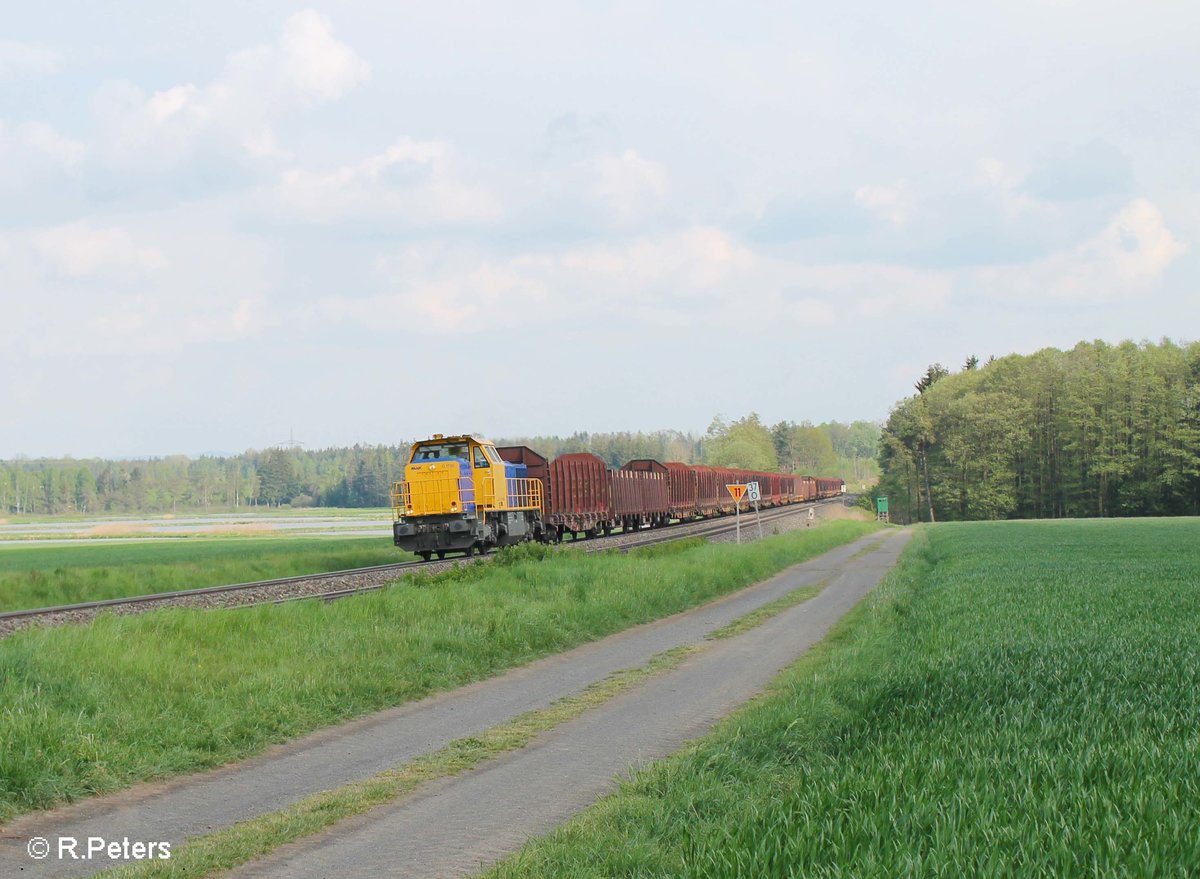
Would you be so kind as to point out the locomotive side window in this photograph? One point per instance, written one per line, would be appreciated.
(480, 460)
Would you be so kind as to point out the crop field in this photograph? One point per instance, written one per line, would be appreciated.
(97, 707)
(1017, 699)
(38, 576)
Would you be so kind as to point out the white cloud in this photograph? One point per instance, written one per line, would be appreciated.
(81, 250)
(19, 60)
(693, 277)
(305, 66)
(1007, 187)
(412, 180)
(31, 148)
(893, 204)
(44, 139)
(683, 275)
(1127, 258)
(628, 184)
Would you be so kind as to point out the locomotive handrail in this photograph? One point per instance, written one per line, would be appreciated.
(437, 495)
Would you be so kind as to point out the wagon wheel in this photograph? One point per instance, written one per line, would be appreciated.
(426, 554)
(441, 554)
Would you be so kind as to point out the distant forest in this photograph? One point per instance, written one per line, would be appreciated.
(1100, 430)
(361, 476)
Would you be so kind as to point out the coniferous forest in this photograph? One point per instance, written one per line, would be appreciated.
(1100, 430)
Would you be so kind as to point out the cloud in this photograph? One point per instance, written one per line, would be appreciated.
(412, 180)
(698, 276)
(1006, 187)
(1094, 169)
(22, 60)
(32, 153)
(80, 250)
(628, 184)
(893, 204)
(683, 275)
(1128, 257)
(233, 113)
(599, 191)
(43, 140)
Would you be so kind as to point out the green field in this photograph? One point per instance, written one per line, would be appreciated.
(97, 707)
(39, 576)
(1017, 699)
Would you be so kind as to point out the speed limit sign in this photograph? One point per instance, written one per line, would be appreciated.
(752, 492)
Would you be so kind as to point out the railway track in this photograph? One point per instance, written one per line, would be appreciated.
(369, 579)
(598, 545)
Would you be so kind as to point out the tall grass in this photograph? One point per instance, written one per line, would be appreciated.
(1018, 699)
(94, 708)
(42, 576)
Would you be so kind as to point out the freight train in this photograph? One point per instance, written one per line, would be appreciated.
(464, 494)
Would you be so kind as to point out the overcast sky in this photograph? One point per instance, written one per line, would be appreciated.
(371, 221)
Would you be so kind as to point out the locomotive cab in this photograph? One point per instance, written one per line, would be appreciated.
(458, 495)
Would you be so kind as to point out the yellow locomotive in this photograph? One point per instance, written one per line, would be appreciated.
(458, 495)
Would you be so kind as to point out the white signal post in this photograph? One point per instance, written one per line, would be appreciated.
(754, 495)
(737, 492)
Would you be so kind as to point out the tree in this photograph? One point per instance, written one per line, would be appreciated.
(278, 477)
(933, 374)
(1099, 430)
(745, 444)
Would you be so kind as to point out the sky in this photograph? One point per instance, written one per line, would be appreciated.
(222, 225)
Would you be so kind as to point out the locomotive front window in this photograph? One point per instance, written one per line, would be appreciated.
(441, 450)
(480, 460)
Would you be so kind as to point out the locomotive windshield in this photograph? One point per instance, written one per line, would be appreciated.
(441, 450)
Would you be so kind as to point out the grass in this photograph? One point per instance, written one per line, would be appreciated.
(1017, 699)
(41, 576)
(127, 698)
(251, 839)
(236, 845)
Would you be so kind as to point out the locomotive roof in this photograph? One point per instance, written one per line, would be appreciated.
(459, 438)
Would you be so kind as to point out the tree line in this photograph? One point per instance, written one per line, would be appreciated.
(1100, 430)
(361, 476)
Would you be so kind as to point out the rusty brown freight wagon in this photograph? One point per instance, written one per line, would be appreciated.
(683, 490)
(580, 494)
(641, 494)
(711, 488)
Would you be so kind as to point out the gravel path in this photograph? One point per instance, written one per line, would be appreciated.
(197, 804)
(460, 825)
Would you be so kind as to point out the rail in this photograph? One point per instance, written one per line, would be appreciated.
(83, 610)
